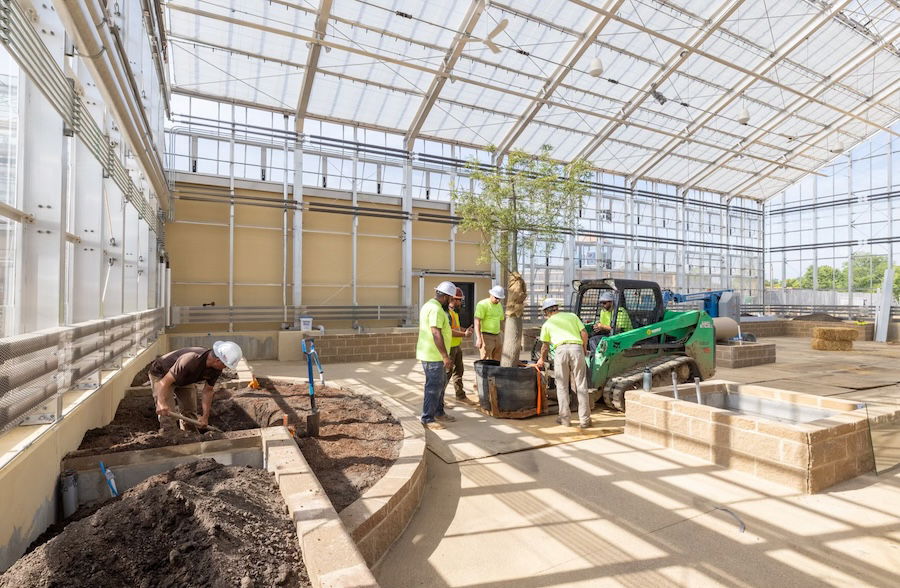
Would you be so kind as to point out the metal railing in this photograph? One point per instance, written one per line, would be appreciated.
(189, 315)
(840, 311)
(37, 368)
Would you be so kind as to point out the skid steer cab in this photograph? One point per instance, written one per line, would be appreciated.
(630, 330)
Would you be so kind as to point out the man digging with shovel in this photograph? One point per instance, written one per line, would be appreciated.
(178, 374)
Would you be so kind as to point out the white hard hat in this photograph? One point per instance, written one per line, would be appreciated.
(448, 288)
(607, 296)
(229, 352)
(549, 303)
(497, 292)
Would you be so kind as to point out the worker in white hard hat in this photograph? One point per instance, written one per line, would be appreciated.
(602, 327)
(433, 350)
(567, 334)
(489, 324)
(177, 376)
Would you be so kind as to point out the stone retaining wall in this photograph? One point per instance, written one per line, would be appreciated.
(380, 515)
(789, 328)
(329, 553)
(745, 355)
(354, 347)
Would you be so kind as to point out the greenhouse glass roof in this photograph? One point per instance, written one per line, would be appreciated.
(738, 97)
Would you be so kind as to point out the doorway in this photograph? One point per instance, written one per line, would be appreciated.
(467, 310)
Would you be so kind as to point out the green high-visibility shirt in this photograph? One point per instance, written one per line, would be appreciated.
(623, 321)
(490, 316)
(432, 315)
(562, 328)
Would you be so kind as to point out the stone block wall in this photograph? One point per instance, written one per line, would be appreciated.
(808, 457)
(748, 354)
(788, 328)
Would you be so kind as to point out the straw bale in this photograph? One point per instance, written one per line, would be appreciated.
(827, 345)
(835, 333)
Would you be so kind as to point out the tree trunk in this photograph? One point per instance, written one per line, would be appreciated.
(512, 331)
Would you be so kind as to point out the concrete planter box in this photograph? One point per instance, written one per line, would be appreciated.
(830, 445)
(744, 354)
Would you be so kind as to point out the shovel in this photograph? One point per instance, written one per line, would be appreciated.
(194, 422)
(312, 419)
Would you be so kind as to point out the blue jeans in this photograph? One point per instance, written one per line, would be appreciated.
(435, 382)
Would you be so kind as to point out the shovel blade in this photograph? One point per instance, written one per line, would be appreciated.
(312, 424)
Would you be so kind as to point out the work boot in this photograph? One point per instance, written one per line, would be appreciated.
(563, 422)
(586, 425)
(465, 399)
(433, 425)
(445, 418)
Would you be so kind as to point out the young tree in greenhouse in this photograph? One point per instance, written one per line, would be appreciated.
(525, 200)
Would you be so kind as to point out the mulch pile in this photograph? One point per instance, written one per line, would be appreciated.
(200, 524)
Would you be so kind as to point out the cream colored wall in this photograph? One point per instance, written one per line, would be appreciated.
(199, 253)
(30, 462)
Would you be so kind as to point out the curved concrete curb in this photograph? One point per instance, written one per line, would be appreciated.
(380, 515)
(329, 553)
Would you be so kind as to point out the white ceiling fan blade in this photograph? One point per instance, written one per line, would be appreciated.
(499, 28)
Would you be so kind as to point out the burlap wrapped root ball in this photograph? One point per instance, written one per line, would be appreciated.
(835, 334)
(826, 345)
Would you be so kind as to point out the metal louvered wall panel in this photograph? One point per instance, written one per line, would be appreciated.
(26, 47)
(36, 367)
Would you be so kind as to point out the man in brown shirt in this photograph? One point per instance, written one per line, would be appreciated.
(179, 374)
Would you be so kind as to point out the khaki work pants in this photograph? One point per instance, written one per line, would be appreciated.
(569, 366)
(493, 346)
(455, 373)
(186, 397)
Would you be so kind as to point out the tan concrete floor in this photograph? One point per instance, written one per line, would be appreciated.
(504, 508)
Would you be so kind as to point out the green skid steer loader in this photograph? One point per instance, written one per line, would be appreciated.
(661, 340)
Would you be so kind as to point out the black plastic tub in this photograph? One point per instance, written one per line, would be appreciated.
(516, 389)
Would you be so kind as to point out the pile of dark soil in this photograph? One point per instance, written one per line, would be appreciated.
(357, 443)
(818, 317)
(200, 524)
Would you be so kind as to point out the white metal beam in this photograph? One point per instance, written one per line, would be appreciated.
(766, 64)
(668, 68)
(476, 8)
(723, 61)
(312, 62)
(559, 74)
(885, 93)
(843, 71)
(472, 81)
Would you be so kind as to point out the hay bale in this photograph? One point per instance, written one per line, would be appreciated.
(826, 345)
(835, 333)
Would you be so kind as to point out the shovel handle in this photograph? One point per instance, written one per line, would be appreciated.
(193, 421)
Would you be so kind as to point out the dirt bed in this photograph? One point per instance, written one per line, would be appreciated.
(358, 438)
(200, 524)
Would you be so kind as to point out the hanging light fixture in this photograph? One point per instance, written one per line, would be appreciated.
(596, 67)
(838, 147)
(744, 117)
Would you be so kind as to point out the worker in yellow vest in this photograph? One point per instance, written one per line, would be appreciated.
(432, 350)
(566, 332)
(489, 323)
(455, 373)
